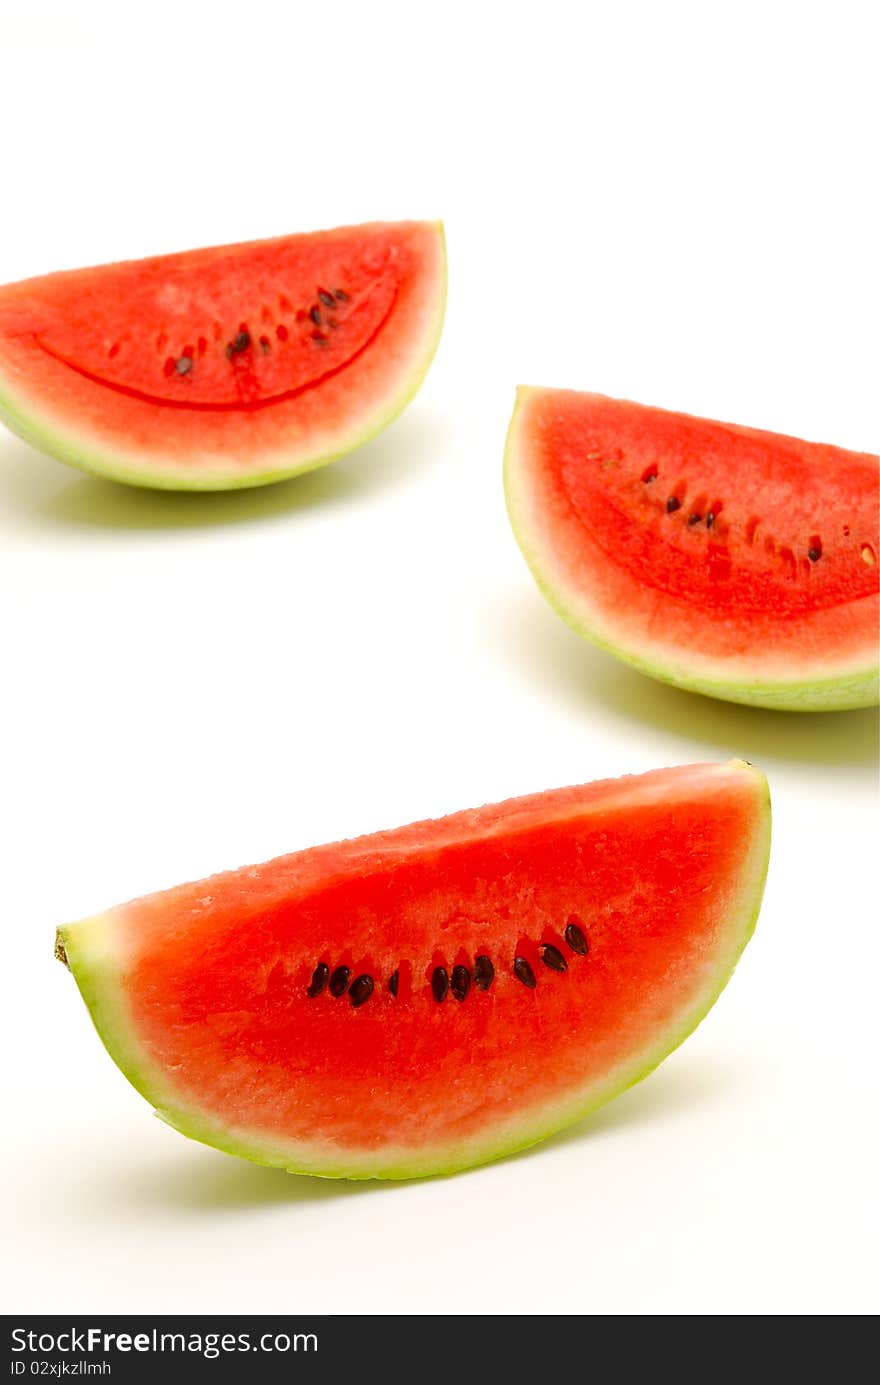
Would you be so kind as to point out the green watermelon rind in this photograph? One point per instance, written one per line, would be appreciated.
(86, 947)
(847, 691)
(26, 423)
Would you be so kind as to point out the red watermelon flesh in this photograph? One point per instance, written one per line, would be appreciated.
(736, 562)
(424, 999)
(229, 366)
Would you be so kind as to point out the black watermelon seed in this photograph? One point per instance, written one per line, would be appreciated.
(315, 315)
(361, 990)
(484, 973)
(320, 977)
(326, 298)
(673, 504)
(183, 365)
(523, 972)
(241, 342)
(694, 519)
(814, 554)
(319, 338)
(341, 295)
(394, 982)
(440, 983)
(553, 958)
(339, 981)
(710, 519)
(460, 983)
(575, 938)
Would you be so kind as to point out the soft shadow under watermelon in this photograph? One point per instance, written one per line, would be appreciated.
(574, 671)
(29, 485)
(207, 1181)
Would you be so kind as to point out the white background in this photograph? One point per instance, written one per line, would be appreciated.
(668, 202)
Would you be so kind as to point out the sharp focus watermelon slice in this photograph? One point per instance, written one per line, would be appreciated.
(420, 1000)
(735, 562)
(226, 367)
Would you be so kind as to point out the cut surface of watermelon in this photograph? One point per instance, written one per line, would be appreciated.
(421, 1000)
(735, 562)
(230, 366)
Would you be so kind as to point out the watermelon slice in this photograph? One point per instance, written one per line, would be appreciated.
(735, 562)
(232, 366)
(425, 999)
